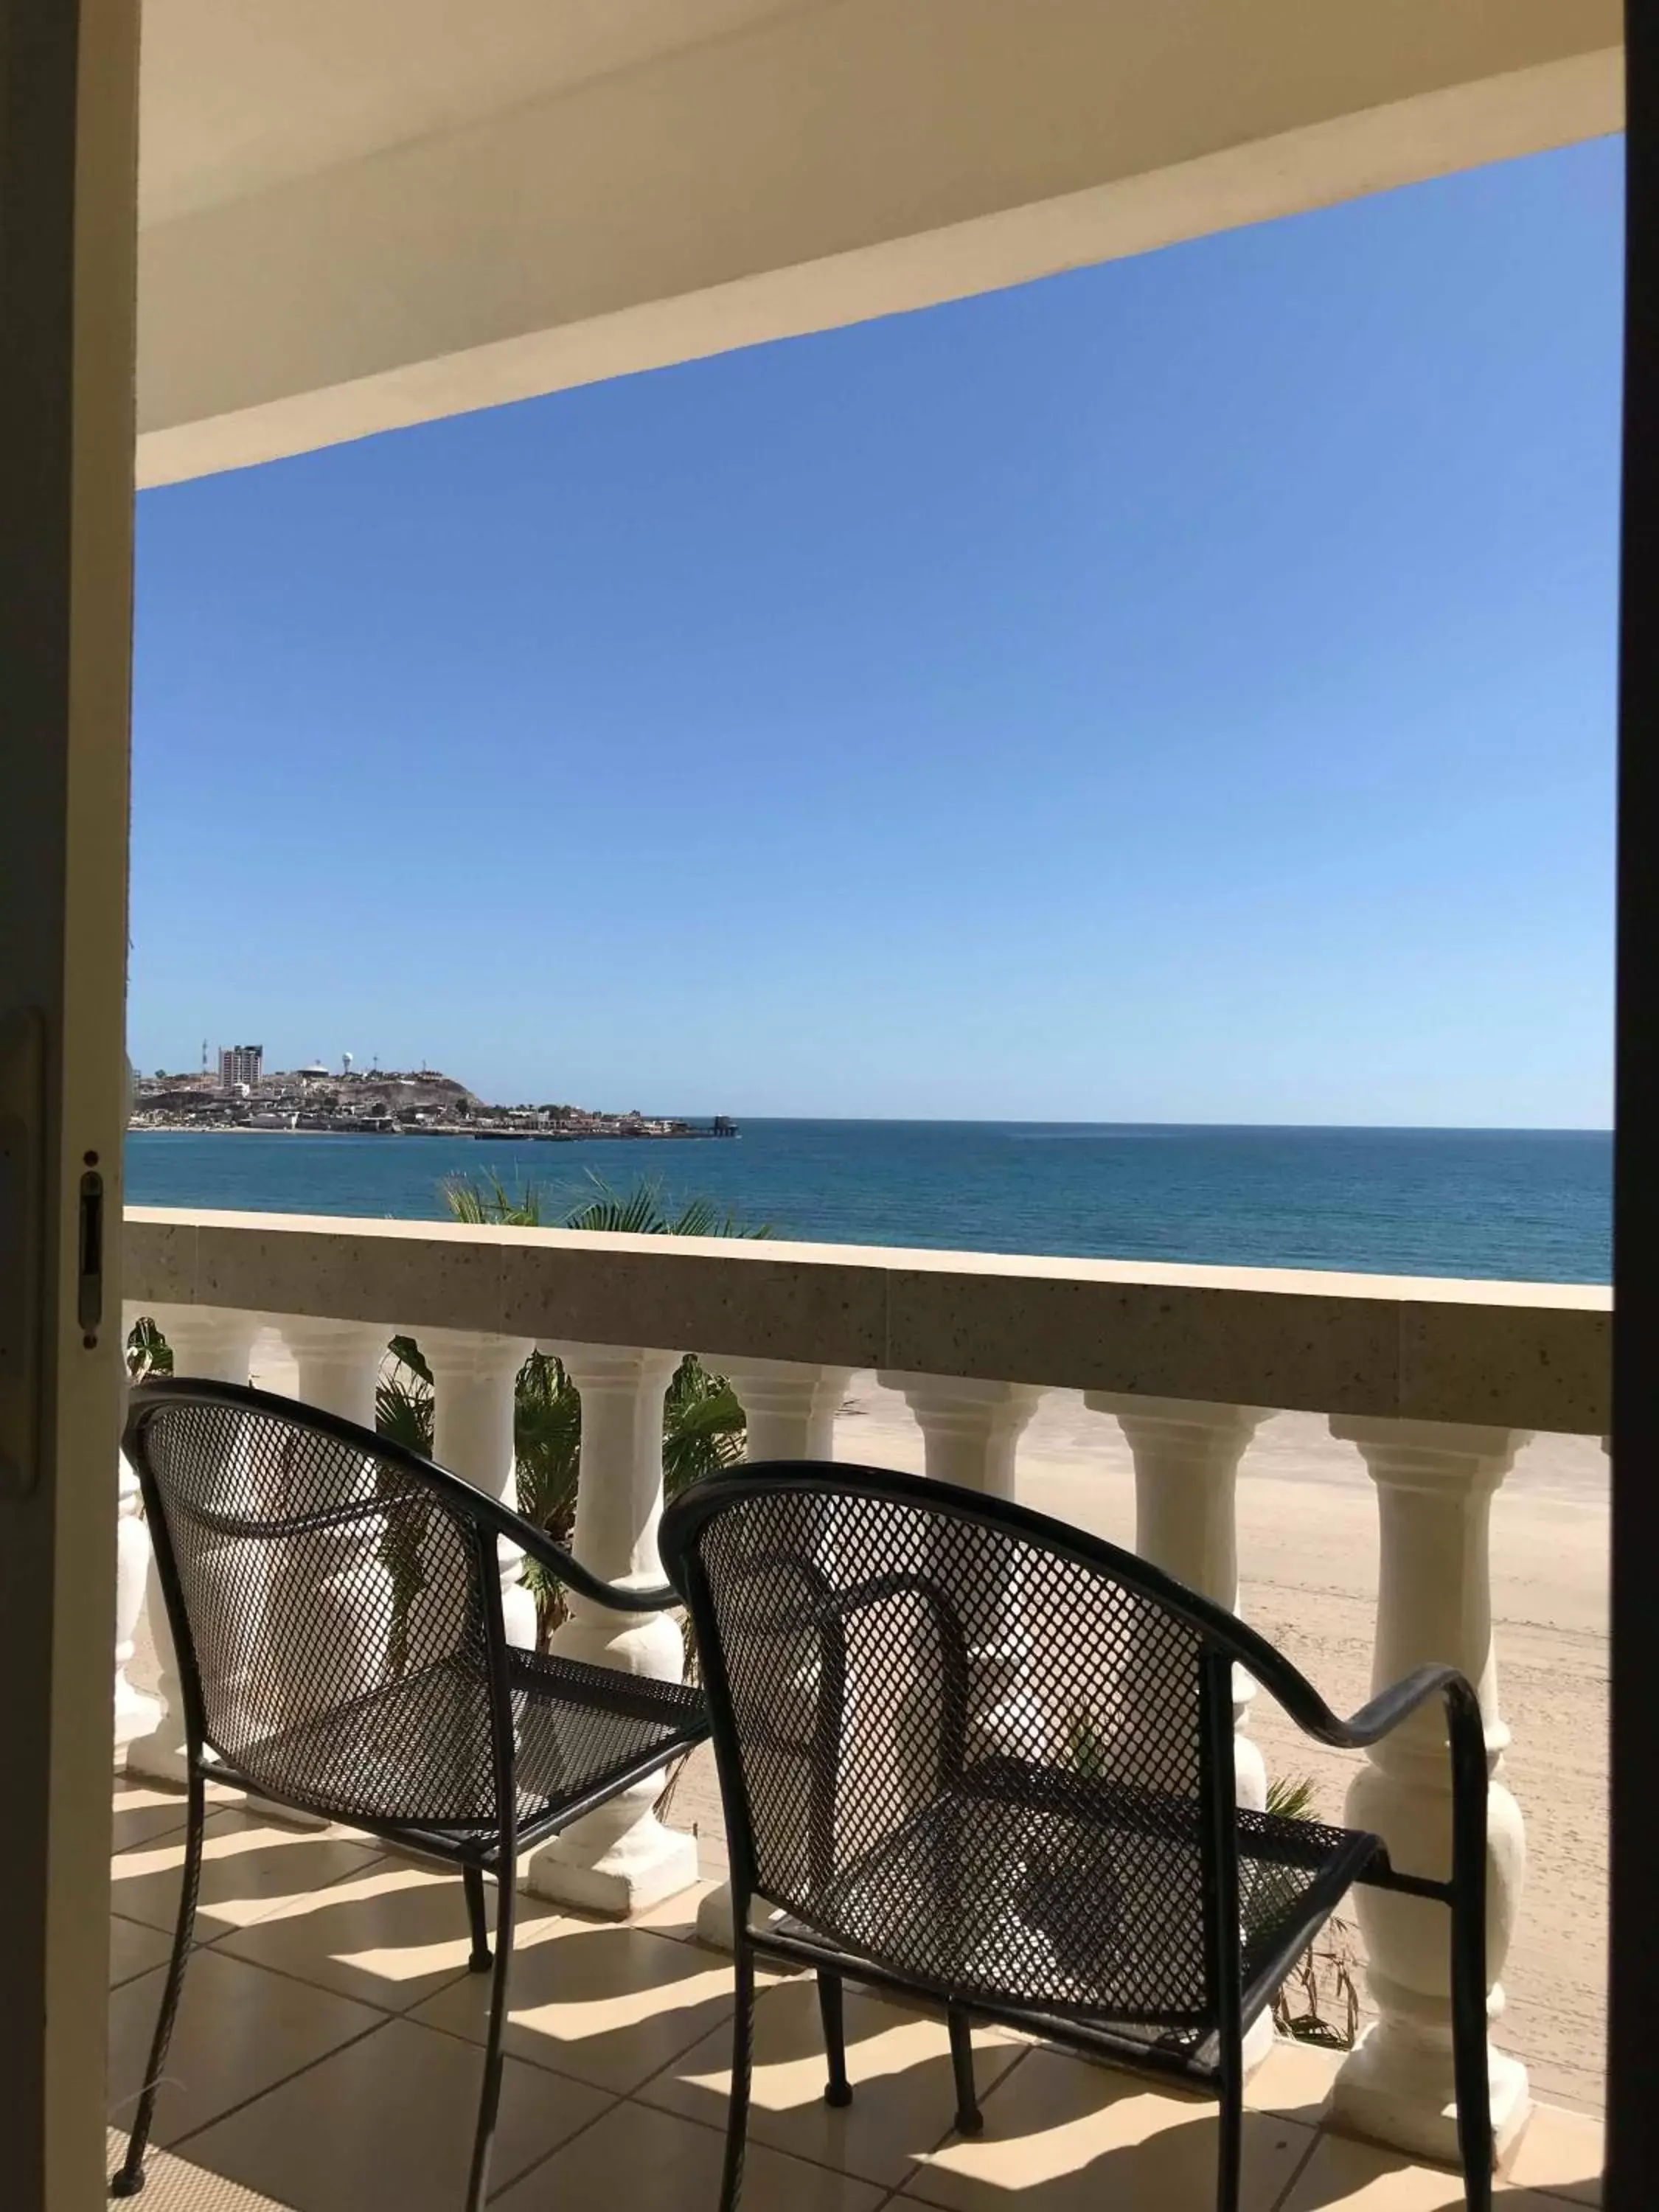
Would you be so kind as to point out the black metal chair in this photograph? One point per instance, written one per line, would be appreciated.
(336, 1607)
(975, 1755)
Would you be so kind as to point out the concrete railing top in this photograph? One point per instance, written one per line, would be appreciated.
(1512, 1355)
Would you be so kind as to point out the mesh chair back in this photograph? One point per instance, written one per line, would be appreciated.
(961, 1753)
(331, 1613)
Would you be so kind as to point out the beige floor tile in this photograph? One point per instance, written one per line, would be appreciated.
(249, 1868)
(392, 1933)
(143, 1811)
(899, 2063)
(610, 2005)
(1561, 2152)
(1295, 2079)
(386, 2126)
(653, 2161)
(239, 2030)
(133, 1949)
(173, 2184)
(1062, 2135)
(1346, 2175)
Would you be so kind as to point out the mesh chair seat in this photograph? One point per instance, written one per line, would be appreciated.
(579, 1732)
(1035, 1884)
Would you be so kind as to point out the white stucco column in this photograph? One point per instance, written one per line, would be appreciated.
(1186, 1457)
(138, 1712)
(970, 1430)
(970, 1435)
(622, 1858)
(338, 1363)
(210, 1344)
(789, 1408)
(473, 1379)
(1435, 1483)
(337, 1575)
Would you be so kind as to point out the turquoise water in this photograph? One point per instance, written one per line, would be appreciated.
(1525, 1205)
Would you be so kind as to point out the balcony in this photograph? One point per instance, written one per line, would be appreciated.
(327, 2041)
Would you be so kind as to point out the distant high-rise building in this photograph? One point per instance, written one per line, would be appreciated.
(239, 1063)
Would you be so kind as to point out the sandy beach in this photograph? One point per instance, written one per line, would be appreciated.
(1307, 1561)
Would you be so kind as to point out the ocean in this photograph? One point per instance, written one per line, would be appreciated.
(1527, 1205)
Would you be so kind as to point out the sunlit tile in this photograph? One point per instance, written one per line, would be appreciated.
(1062, 2133)
(611, 2005)
(392, 1933)
(1563, 2153)
(898, 2062)
(249, 1867)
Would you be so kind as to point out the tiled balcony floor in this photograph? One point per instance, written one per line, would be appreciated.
(326, 2060)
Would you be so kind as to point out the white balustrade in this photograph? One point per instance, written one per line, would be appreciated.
(622, 1858)
(210, 1344)
(789, 1413)
(474, 1378)
(1435, 1483)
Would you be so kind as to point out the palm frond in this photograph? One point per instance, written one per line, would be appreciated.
(642, 1210)
(704, 1427)
(1291, 1796)
(487, 1201)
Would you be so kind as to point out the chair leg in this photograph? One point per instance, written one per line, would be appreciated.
(838, 2090)
(969, 2118)
(743, 2036)
(472, 1879)
(1230, 2161)
(1474, 2090)
(130, 2178)
(489, 2097)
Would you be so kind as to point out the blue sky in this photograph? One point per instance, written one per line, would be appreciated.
(1182, 689)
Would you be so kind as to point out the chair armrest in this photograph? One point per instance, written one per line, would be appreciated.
(1381, 1714)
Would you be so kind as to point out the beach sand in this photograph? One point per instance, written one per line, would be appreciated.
(1308, 1563)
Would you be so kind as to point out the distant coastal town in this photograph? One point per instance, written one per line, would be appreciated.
(239, 1094)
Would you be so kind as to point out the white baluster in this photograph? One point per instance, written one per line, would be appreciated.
(1185, 1458)
(210, 1344)
(474, 1378)
(970, 1430)
(1435, 1483)
(789, 1407)
(136, 1712)
(970, 1435)
(339, 1363)
(622, 1858)
(789, 1412)
(336, 1578)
